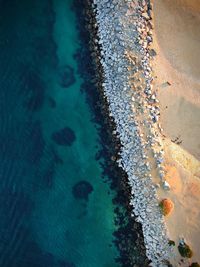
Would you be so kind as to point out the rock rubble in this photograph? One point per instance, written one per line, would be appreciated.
(125, 37)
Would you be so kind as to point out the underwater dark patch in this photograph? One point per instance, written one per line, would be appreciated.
(7, 142)
(41, 46)
(66, 264)
(34, 256)
(48, 177)
(36, 144)
(56, 158)
(21, 201)
(64, 137)
(14, 208)
(66, 76)
(33, 87)
(47, 50)
(82, 214)
(35, 102)
(82, 189)
(51, 102)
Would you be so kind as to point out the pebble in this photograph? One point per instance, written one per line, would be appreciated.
(166, 185)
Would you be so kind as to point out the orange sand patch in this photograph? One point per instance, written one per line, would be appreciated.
(193, 189)
(173, 178)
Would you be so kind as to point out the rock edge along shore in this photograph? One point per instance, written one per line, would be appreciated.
(128, 235)
(124, 31)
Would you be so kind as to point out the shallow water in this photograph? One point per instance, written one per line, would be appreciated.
(48, 145)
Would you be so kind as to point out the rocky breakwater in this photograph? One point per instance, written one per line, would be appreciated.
(125, 36)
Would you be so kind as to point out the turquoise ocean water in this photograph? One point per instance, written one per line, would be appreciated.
(55, 209)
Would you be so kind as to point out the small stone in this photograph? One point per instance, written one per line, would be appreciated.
(152, 53)
(166, 185)
(143, 3)
(157, 185)
(146, 16)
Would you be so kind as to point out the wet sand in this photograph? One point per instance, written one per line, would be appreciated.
(177, 81)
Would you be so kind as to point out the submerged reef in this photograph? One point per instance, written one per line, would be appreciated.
(82, 189)
(64, 137)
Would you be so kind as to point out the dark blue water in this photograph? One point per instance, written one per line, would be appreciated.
(55, 209)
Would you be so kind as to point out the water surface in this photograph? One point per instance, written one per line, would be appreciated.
(55, 209)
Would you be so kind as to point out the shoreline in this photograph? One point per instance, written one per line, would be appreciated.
(128, 237)
(125, 34)
(128, 107)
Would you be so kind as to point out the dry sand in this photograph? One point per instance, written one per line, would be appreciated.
(177, 43)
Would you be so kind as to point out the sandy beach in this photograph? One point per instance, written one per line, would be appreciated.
(177, 80)
(177, 40)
